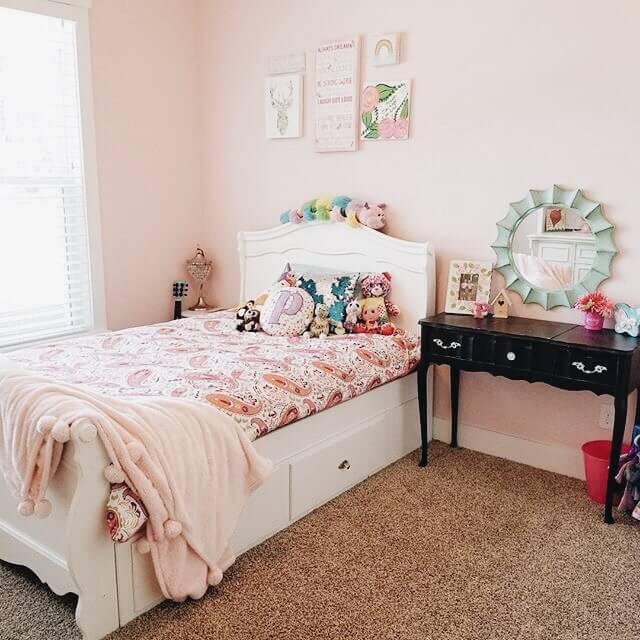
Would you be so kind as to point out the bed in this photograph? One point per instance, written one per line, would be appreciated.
(323, 454)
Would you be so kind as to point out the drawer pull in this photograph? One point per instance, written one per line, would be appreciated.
(453, 345)
(511, 356)
(345, 464)
(599, 368)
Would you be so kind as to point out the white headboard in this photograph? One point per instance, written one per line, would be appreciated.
(263, 255)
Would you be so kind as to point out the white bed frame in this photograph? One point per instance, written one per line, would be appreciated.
(315, 459)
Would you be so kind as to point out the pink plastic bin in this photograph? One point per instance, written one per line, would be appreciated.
(596, 465)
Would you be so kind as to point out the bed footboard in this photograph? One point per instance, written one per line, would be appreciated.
(70, 550)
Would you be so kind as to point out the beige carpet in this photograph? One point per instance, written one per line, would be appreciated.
(471, 548)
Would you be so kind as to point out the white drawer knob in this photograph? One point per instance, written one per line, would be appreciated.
(511, 356)
(344, 465)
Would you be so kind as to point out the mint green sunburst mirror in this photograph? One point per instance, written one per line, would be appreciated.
(553, 246)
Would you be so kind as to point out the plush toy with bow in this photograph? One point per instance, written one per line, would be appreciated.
(378, 285)
(248, 317)
(338, 209)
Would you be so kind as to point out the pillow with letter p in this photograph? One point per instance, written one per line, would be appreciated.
(287, 312)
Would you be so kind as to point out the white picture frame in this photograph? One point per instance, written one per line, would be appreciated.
(469, 282)
(336, 95)
(283, 99)
(287, 63)
(384, 49)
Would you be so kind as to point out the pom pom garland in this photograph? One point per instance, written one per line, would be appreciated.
(42, 508)
(172, 528)
(45, 424)
(143, 547)
(61, 432)
(113, 474)
(214, 576)
(26, 508)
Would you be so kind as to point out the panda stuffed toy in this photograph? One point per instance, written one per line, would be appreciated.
(248, 317)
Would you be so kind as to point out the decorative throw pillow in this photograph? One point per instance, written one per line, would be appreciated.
(334, 290)
(287, 312)
(126, 514)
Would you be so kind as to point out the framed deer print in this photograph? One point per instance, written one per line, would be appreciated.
(283, 106)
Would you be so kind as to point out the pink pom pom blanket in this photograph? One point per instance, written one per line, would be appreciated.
(192, 466)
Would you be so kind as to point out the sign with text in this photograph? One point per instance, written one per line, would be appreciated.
(337, 88)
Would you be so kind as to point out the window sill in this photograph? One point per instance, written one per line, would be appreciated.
(29, 344)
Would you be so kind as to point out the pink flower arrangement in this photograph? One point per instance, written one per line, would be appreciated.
(370, 99)
(481, 309)
(596, 303)
(390, 128)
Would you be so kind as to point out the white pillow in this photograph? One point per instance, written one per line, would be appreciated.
(287, 312)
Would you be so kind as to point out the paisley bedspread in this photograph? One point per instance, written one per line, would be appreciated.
(264, 382)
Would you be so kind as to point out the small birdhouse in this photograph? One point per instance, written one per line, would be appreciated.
(501, 304)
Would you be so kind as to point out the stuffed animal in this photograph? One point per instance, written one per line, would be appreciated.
(374, 318)
(364, 213)
(336, 327)
(338, 209)
(352, 315)
(248, 317)
(379, 285)
(320, 325)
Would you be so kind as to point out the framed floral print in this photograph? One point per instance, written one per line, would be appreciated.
(385, 110)
(469, 282)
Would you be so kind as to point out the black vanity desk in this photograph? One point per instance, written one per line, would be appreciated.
(563, 355)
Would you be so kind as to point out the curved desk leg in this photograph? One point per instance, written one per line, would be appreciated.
(422, 407)
(455, 392)
(619, 423)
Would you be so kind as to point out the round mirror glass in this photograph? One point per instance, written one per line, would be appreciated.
(553, 248)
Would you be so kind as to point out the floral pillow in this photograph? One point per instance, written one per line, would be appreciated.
(126, 514)
(334, 290)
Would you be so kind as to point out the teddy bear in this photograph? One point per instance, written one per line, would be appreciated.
(320, 325)
(248, 317)
(379, 285)
(352, 315)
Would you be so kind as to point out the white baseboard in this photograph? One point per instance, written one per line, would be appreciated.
(551, 457)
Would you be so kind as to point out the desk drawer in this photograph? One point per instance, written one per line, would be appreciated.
(503, 351)
(445, 343)
(512, 352)
(592, 366)
(328, 470)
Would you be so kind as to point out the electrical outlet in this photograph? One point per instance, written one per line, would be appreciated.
(606, 416)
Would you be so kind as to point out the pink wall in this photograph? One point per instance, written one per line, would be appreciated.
(148, 108)
(507, 96)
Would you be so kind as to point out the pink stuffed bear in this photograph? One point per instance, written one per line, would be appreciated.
(379, 285)
(369, 215)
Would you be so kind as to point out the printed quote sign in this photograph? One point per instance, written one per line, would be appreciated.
(337, 113)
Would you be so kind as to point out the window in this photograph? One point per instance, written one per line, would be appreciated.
(46, 284)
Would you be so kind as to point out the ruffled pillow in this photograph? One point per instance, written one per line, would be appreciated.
(126, 514)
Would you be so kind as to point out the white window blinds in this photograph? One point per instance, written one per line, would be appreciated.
(45, 284)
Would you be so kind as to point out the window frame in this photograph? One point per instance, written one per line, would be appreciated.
(78, 11)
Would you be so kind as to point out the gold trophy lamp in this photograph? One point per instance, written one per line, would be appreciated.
(199, 268)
